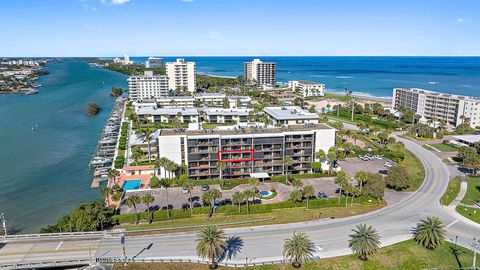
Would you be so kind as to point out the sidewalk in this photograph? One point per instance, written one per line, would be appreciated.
(460, 195)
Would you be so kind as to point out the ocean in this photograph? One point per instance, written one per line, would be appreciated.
(369, 76)
(43, 173)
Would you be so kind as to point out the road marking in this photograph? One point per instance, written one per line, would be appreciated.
(451, 224)
(59, 245)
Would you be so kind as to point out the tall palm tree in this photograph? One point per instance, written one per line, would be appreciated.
(309, 192)
(211, 243)
(162, 163)
(296, 183)
(189, 185)
(113, 174)
(106, 192)
(238, 198)
(132, 201)
(287, 162)
(364, 241)
(320, 155)
(331, 157)
(167, 183)
(430, 232)
(296, 196)
(221, 166)
(298, 248)
(247, 195)
(148, 200)
(254, 182)
(210, 196)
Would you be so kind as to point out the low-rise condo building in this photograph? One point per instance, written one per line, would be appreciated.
(166, 115)
(209, 99)
(181, 75)
(307, 89)
(247, 152)
(239, 101)
(147, 86)
(290, 115)
(220, 115)
(454, 109)
(176, 102)
(260, 73)
(154, 62)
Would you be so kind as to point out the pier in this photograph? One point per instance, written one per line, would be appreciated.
(102, 159)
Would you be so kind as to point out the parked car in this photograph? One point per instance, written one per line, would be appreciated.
(377, 157)
(388, 164)
(205, 187)
(184, 191)
(322, 195)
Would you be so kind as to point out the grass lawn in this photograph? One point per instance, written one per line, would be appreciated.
(469, 212)
(442, 147)
(415, 170)
(473, 191)
(404, 255)
(279, 216)
(452, 191)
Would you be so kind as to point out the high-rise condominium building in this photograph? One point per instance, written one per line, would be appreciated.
(260, 73)
(251, 152)
(154, 62)
(454, 109)
(181, 75)
(147, 86)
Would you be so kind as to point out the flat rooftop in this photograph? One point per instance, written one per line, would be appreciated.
(289, 113)
(243, 131)
(468, 138)
(167, 111)
(221, 111)
(209, 95)
(168, 98)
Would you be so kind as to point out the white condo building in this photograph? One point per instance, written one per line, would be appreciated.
(439, 106)
(154, 62)
(181, 75)
(260, 73)
(147, 86)
(307, 89)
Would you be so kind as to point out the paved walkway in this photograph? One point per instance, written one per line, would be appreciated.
(460, 195)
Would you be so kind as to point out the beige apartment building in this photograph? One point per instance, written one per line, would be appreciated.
(181, 75)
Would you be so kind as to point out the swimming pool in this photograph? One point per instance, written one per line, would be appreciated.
(132, 184)
(265, 193)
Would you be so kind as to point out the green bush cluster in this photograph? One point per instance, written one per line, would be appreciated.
(122, 146)
(161, 215)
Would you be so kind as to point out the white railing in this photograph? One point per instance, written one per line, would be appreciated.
(166, 260)
(73, 235)
(45, 264)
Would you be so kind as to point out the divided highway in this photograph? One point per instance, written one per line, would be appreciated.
(264, 243)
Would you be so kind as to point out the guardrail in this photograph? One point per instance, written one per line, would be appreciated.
(45, 264)
(73, 235)
(163, 260)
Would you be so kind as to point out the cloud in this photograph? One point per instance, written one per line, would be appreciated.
(461, 20)
(114, 2)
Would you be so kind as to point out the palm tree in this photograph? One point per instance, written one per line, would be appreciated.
(309, 192)
(132, 201)
(355, 137)
(254, 182)
(287, 162)
(430, 232)
(298, 248)
(238, 198)
(148, 200)
(210, 196)
(189, 185)
(113, 174)
(364, 241)
(221, 166)
(296, 196)
(247, 194)
(167, 183)
(106, 192)
(162, 163)
(296, 183)
(331, 157)
(211, 242)
(320, 154)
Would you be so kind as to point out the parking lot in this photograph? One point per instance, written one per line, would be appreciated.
(353, 165)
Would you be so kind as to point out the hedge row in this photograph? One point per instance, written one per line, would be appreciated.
(122, 146)
(161, 215)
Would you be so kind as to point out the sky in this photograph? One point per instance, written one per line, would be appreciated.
(239, 27)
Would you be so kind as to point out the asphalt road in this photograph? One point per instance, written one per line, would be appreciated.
(264, 243)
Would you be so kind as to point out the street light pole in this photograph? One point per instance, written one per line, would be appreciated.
(4, 224)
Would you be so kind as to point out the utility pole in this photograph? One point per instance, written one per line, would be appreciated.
(4, 224)
(475, 245)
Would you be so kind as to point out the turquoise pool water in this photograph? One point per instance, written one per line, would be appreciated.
(131, 184)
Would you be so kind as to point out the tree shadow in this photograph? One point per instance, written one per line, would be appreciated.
(234, 245)
(455, 252)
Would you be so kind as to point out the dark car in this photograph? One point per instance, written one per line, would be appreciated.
(205, 187)
(322, 195)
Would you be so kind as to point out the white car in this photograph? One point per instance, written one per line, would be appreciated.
(388, 164)
(377, 157)
(184, 191)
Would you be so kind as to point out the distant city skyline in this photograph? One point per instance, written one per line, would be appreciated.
(240, 28)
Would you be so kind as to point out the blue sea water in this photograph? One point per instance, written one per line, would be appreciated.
(374, 76)
(43, 173)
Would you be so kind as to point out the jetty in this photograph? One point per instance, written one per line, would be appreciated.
(102, 159)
